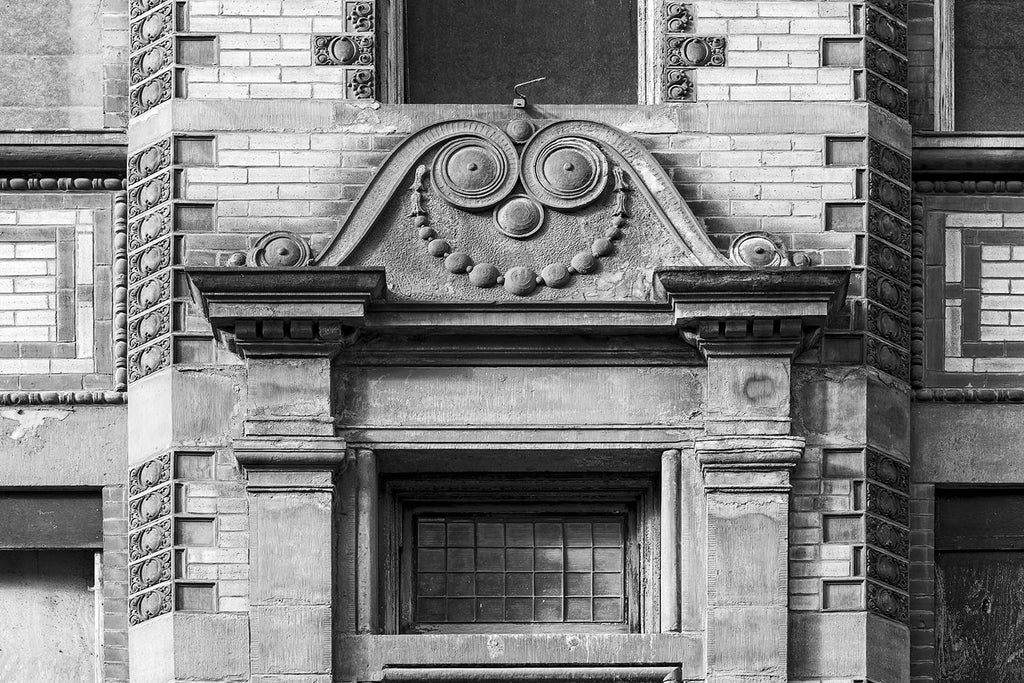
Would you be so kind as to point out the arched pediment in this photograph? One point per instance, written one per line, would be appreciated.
(463, 210)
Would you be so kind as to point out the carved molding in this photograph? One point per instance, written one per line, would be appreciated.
(968, 186)
(621, 149)
(888, 569)
(80, 183)
(149, 507)
(888, 504)
(890, 537)
(149, 360)
(148, 161)
(886, 30)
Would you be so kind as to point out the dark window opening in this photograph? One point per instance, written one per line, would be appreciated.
(483, 567)
(979, 574)
(474, 51)
(988, 65)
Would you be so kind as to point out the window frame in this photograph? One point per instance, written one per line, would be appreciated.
(391, 53)
(637, 495)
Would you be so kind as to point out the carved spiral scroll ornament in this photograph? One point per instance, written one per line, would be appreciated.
(521, 213)
(475, 173)
(565, 173)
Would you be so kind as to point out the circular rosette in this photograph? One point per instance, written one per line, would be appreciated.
(565, 173)
(758, 250)
(279, 250)
(519, 217)
(474, 173)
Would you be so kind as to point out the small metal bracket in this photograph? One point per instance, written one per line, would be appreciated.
(519, 102)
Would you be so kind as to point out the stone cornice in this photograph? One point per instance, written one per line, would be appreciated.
(302, 310)
(740, 311)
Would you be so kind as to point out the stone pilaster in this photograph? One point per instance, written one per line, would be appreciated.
(749, 325)
(291, 511)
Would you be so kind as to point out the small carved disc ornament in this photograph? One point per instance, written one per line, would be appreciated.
(279, 249)
(566, 173)
(519, 217)
(759, 250)
(473, 173)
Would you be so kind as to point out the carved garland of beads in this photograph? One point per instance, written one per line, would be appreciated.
(522, 280)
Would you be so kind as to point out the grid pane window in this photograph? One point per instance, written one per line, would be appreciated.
(526, 570)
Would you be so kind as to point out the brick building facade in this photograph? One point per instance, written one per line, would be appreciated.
(326, 355)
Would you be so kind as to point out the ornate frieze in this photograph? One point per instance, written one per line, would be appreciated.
(897, 8)
(149, 507)
(148, 161)
(150, 66)
(888, 471)
(886, 536)
(149, 540)
(888, 504)
(149, 293)
(967, 186)
(691, 51)
(151, 255)
(885, 63)
(149, 474)
(887, 603)
(887, 95)
(887, 160)
(151, 604)
(151, 93)
(148, 261)
(885, 30)
(888, 260)
(354, 50)
(682, 52)
(149, 360)
(884, 225)
(888, 293)
(148, 228)
(889, 327)
(149, 572)
(678, 17)
(886, 358)
(888, 194)
(887, 569)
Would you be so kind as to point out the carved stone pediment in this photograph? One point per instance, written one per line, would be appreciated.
(466, 211)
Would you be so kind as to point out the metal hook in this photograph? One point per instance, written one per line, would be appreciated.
(520, 100)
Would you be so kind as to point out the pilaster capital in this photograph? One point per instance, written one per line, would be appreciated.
(748, 462)
(291, 463)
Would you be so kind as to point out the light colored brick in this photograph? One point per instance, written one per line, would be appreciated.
(758, 26)
(788, 43)
(281, 90)
(249, 41)
(251, 74)
(217, 91)
(819, 27)
(787, 75)
(35, 250)
(216, 175)
(974, 220)
(279, 141)
(760, 92)
(251, 7)
(33, 217)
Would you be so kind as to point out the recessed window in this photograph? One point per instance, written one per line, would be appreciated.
(517, 557)
(474, 51)
(485, 566)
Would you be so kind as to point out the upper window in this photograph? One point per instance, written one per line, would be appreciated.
(474, 51)
(988, 65)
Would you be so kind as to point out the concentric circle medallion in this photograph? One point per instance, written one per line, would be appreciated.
(566, 173)
(473, 173)
(759, 250)
(519, 217)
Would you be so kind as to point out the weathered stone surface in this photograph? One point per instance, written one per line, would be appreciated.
(65, 446)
